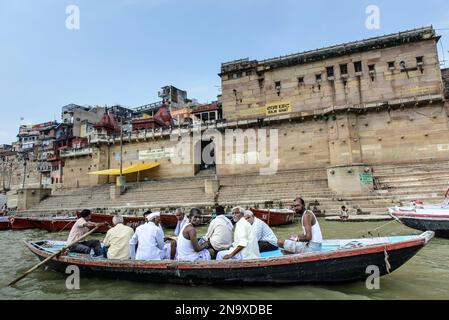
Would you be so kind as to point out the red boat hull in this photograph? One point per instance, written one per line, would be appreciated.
(169, 221)
(53, 225)
(5, 225)
(274, 218)
(132, 222)
(20, 223)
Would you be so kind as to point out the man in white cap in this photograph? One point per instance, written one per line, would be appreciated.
(150, 240)
(265, 236)
(245, 244)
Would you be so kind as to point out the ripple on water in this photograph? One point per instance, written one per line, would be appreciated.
(423, 277)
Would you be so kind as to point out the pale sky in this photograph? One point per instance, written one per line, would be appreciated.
(125, 50)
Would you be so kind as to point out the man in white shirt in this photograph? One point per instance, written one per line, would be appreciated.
(219, 233)
(245, 244)
(117, 240)
(182, 221)
(80, 228)
(265, 236)
(150, 240)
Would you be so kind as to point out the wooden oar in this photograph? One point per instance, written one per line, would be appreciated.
(52, 256)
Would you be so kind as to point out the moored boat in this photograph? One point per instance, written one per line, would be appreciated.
(130, 221)
(424, 217)
(275, 217)
(169, 220)
(20, 223)
(4, 223)
(53, 224)
(339, 261)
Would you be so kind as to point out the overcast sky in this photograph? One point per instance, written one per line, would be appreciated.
(125, 50)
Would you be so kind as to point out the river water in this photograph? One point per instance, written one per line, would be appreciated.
(426, 276)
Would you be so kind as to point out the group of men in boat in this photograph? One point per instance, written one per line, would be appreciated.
(246, 238)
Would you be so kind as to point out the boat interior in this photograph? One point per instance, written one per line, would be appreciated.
(327, 246)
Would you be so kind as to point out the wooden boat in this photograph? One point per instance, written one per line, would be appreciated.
(339, 261)
(275, 217)
(4, 223)
(130, 221)
(424, 217)
(169, 220)
(20, 223)
(53, 224)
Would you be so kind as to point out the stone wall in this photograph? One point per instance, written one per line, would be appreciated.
(12, 174)
(388, 136)
(77, 169)
(306, 87)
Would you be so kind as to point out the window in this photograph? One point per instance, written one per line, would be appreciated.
(420, 61)
(330, 72)
(358, 66)
(344, 69)
(372, 68)
(300, 80)
(261, 82)
(277, 85)
(391, 65)
(318, 78)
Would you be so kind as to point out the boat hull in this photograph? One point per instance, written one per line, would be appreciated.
(169, 221)
(21, 223)
(274, 218)
(4, 224)
(132, 222)
(439, 226)
(53, 225)
(339, 266)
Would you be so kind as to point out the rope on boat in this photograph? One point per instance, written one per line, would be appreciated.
(387, 262)
(370, 232)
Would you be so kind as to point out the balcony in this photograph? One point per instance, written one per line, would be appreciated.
(76, 152)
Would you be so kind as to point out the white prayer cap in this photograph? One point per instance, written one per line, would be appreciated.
(248, 213)
(153, 215)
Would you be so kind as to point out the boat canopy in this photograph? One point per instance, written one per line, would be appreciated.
(132, 169)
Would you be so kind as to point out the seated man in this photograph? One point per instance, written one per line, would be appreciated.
(245, 244)
(80, 228)
(219, 233)
(311, 240)
(188, 248)
(150, 240)
(182, 221)
(344, 214)
(117, 240)
(265, 236)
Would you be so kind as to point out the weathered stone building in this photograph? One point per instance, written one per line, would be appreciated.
(342, 108)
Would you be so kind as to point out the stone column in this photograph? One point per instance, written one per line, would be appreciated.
(347, 174)
(28, 198)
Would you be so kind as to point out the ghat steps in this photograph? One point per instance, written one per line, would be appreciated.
(396, 184)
